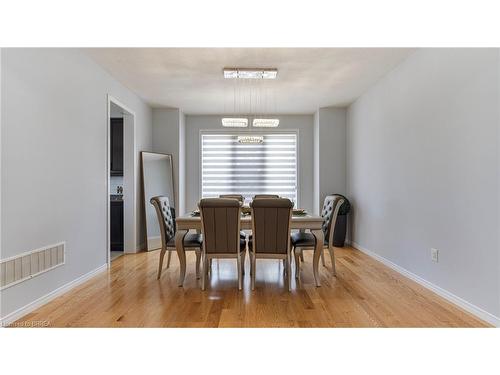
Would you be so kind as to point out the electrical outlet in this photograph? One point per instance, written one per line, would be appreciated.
(435, 255)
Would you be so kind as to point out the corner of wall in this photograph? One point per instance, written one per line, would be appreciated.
(182, 163)
(330, 133)
(316, 162)
(168, 131)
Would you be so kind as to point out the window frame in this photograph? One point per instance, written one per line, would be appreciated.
(236, 131)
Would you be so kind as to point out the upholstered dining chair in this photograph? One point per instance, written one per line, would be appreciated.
(220, 226)
(239, 197)
(166, 220)
(306, 240)
(259, 196)
(271, 233)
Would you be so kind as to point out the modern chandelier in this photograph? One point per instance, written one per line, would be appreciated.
(233, 122)
(243, 96)
(249, 73)
(265, 122)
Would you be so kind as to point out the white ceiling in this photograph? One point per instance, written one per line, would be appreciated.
(191, 78)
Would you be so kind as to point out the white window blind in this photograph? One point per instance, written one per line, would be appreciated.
(229, 167)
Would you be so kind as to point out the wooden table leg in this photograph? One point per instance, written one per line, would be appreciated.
(179, 246)
(318, 249)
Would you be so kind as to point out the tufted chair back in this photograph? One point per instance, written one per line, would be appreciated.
(220, 222)
(271, 225)
(166, 218)
(239, 197)
(329, 213)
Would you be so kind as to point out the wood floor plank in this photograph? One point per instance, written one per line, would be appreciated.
(365, 293)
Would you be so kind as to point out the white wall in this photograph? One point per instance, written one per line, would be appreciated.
(53, 161)
(168, 133)
(302, 123)
(181, 188)
(330, 153)
(316, 176)
(423, 170)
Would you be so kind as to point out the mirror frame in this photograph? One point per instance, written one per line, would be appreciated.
(143, 192)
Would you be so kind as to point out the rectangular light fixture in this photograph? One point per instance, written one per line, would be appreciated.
(250, 139)
(250, 73)
(231, 122)
(266, 122)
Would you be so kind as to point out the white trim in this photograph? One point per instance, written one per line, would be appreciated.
(19, 313)
(467, 306)
(154, 243)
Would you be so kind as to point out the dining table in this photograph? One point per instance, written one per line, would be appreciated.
(192, 221)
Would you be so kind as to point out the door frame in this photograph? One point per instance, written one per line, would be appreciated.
(129, 178)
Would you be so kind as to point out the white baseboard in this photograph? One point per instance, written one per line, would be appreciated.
(467, 306)
(154, 243)
(19, 313)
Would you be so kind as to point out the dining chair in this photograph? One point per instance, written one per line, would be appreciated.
(166, 221)
(239, 197)
(306, 240)
(271, 219)
(259, 196)
(220, 226)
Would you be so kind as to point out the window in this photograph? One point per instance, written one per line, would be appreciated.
(231, 167)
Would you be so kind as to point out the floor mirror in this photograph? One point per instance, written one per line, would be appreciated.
(158, 180)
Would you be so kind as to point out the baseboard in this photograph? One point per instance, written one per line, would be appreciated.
(154, 243)
(467, 306)
(19, 313)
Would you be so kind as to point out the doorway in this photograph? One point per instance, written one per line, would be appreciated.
(120, 172)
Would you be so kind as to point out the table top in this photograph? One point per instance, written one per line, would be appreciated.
(307, 221)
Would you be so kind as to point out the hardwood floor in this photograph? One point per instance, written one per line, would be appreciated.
(365, 293)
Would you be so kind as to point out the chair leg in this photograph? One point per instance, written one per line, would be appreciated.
(204, 271)
(162, 254)
(289, 272)
(198, 258)
(297, 262)
(302, 256)
(332, 257)
(238, 260)
(243, 254)
(253, 271)
(168, 258)
(323, 257)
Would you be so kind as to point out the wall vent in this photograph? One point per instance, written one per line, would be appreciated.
(27, 265)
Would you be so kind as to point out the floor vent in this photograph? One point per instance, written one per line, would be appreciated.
(30, 264)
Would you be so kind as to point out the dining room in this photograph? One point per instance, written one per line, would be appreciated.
(257, 208)
(254, 206)
(275, 187)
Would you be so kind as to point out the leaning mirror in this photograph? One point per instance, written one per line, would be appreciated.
(157, 179)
